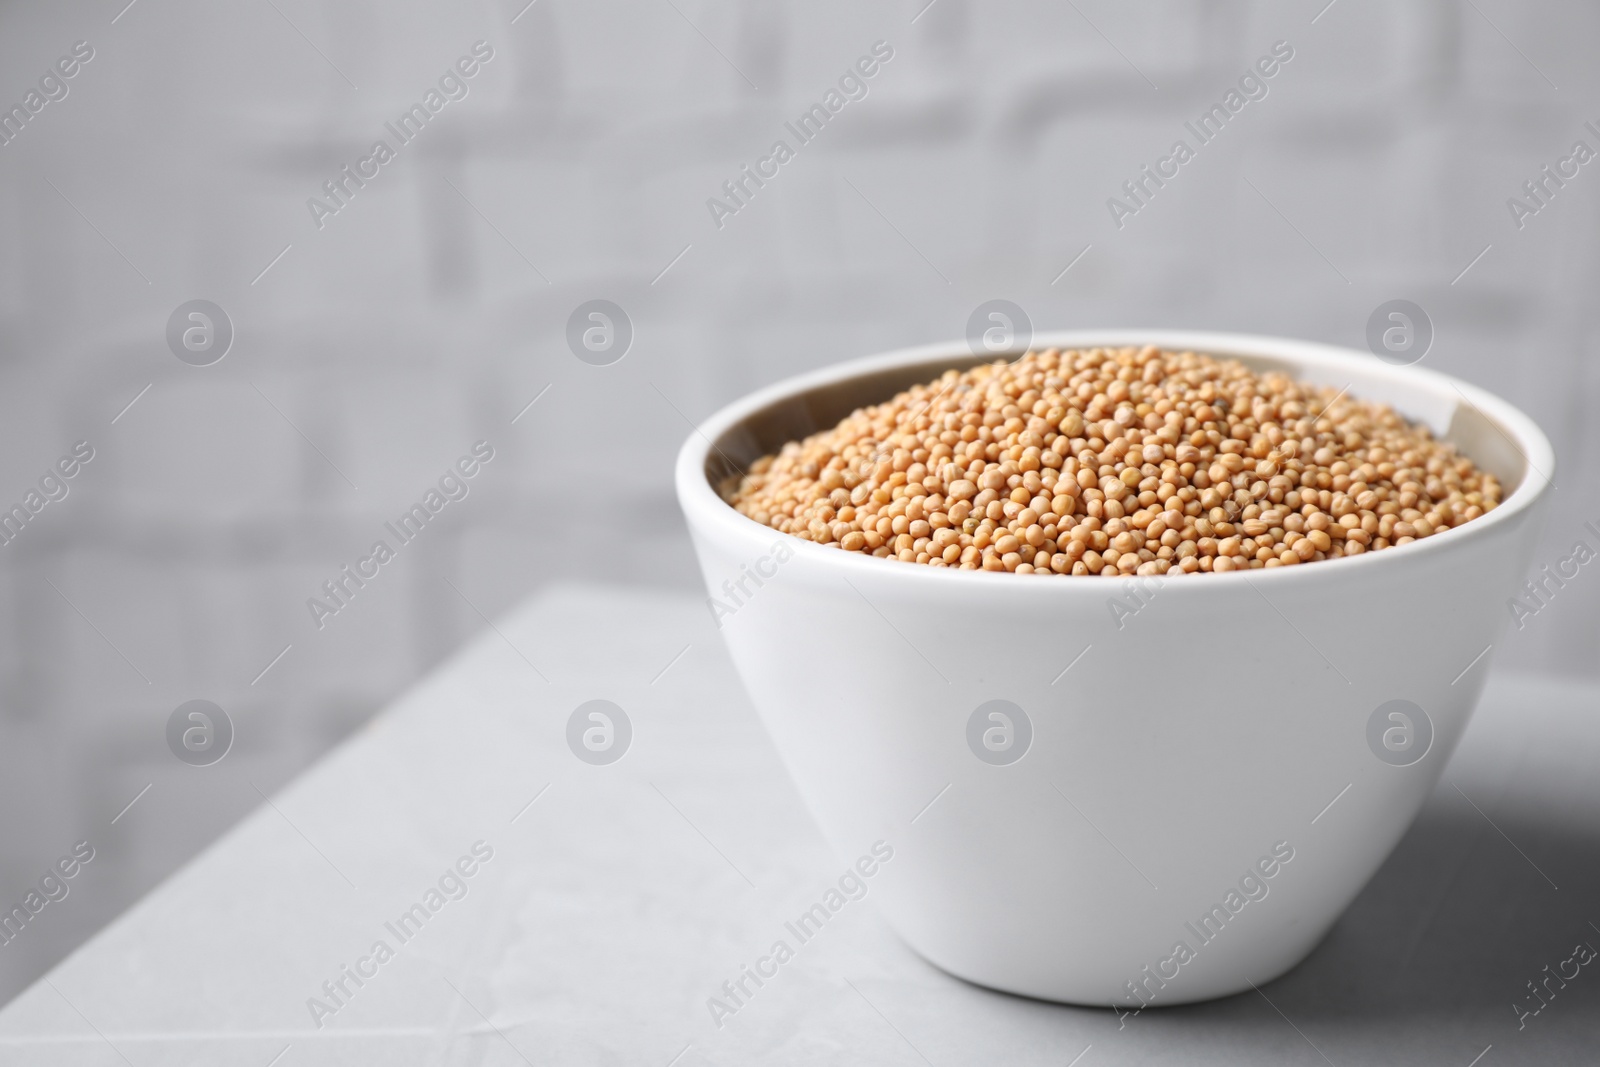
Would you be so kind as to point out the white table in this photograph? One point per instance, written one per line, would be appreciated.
(620, 901)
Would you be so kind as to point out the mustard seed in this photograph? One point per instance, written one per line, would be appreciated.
(1116, 462)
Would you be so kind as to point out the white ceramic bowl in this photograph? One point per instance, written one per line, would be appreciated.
(1181, 746)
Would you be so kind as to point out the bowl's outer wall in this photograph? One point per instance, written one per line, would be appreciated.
(1216, 721)
(1168, 759)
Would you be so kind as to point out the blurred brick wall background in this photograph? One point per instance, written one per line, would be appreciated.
(429, 311)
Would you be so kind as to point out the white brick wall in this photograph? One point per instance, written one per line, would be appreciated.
(408, 327)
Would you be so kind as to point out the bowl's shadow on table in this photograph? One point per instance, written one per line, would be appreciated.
(1456, 922)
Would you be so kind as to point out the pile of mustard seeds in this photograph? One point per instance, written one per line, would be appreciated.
(1115, 462)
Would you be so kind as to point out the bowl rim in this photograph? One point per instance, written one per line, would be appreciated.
(704, 507)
